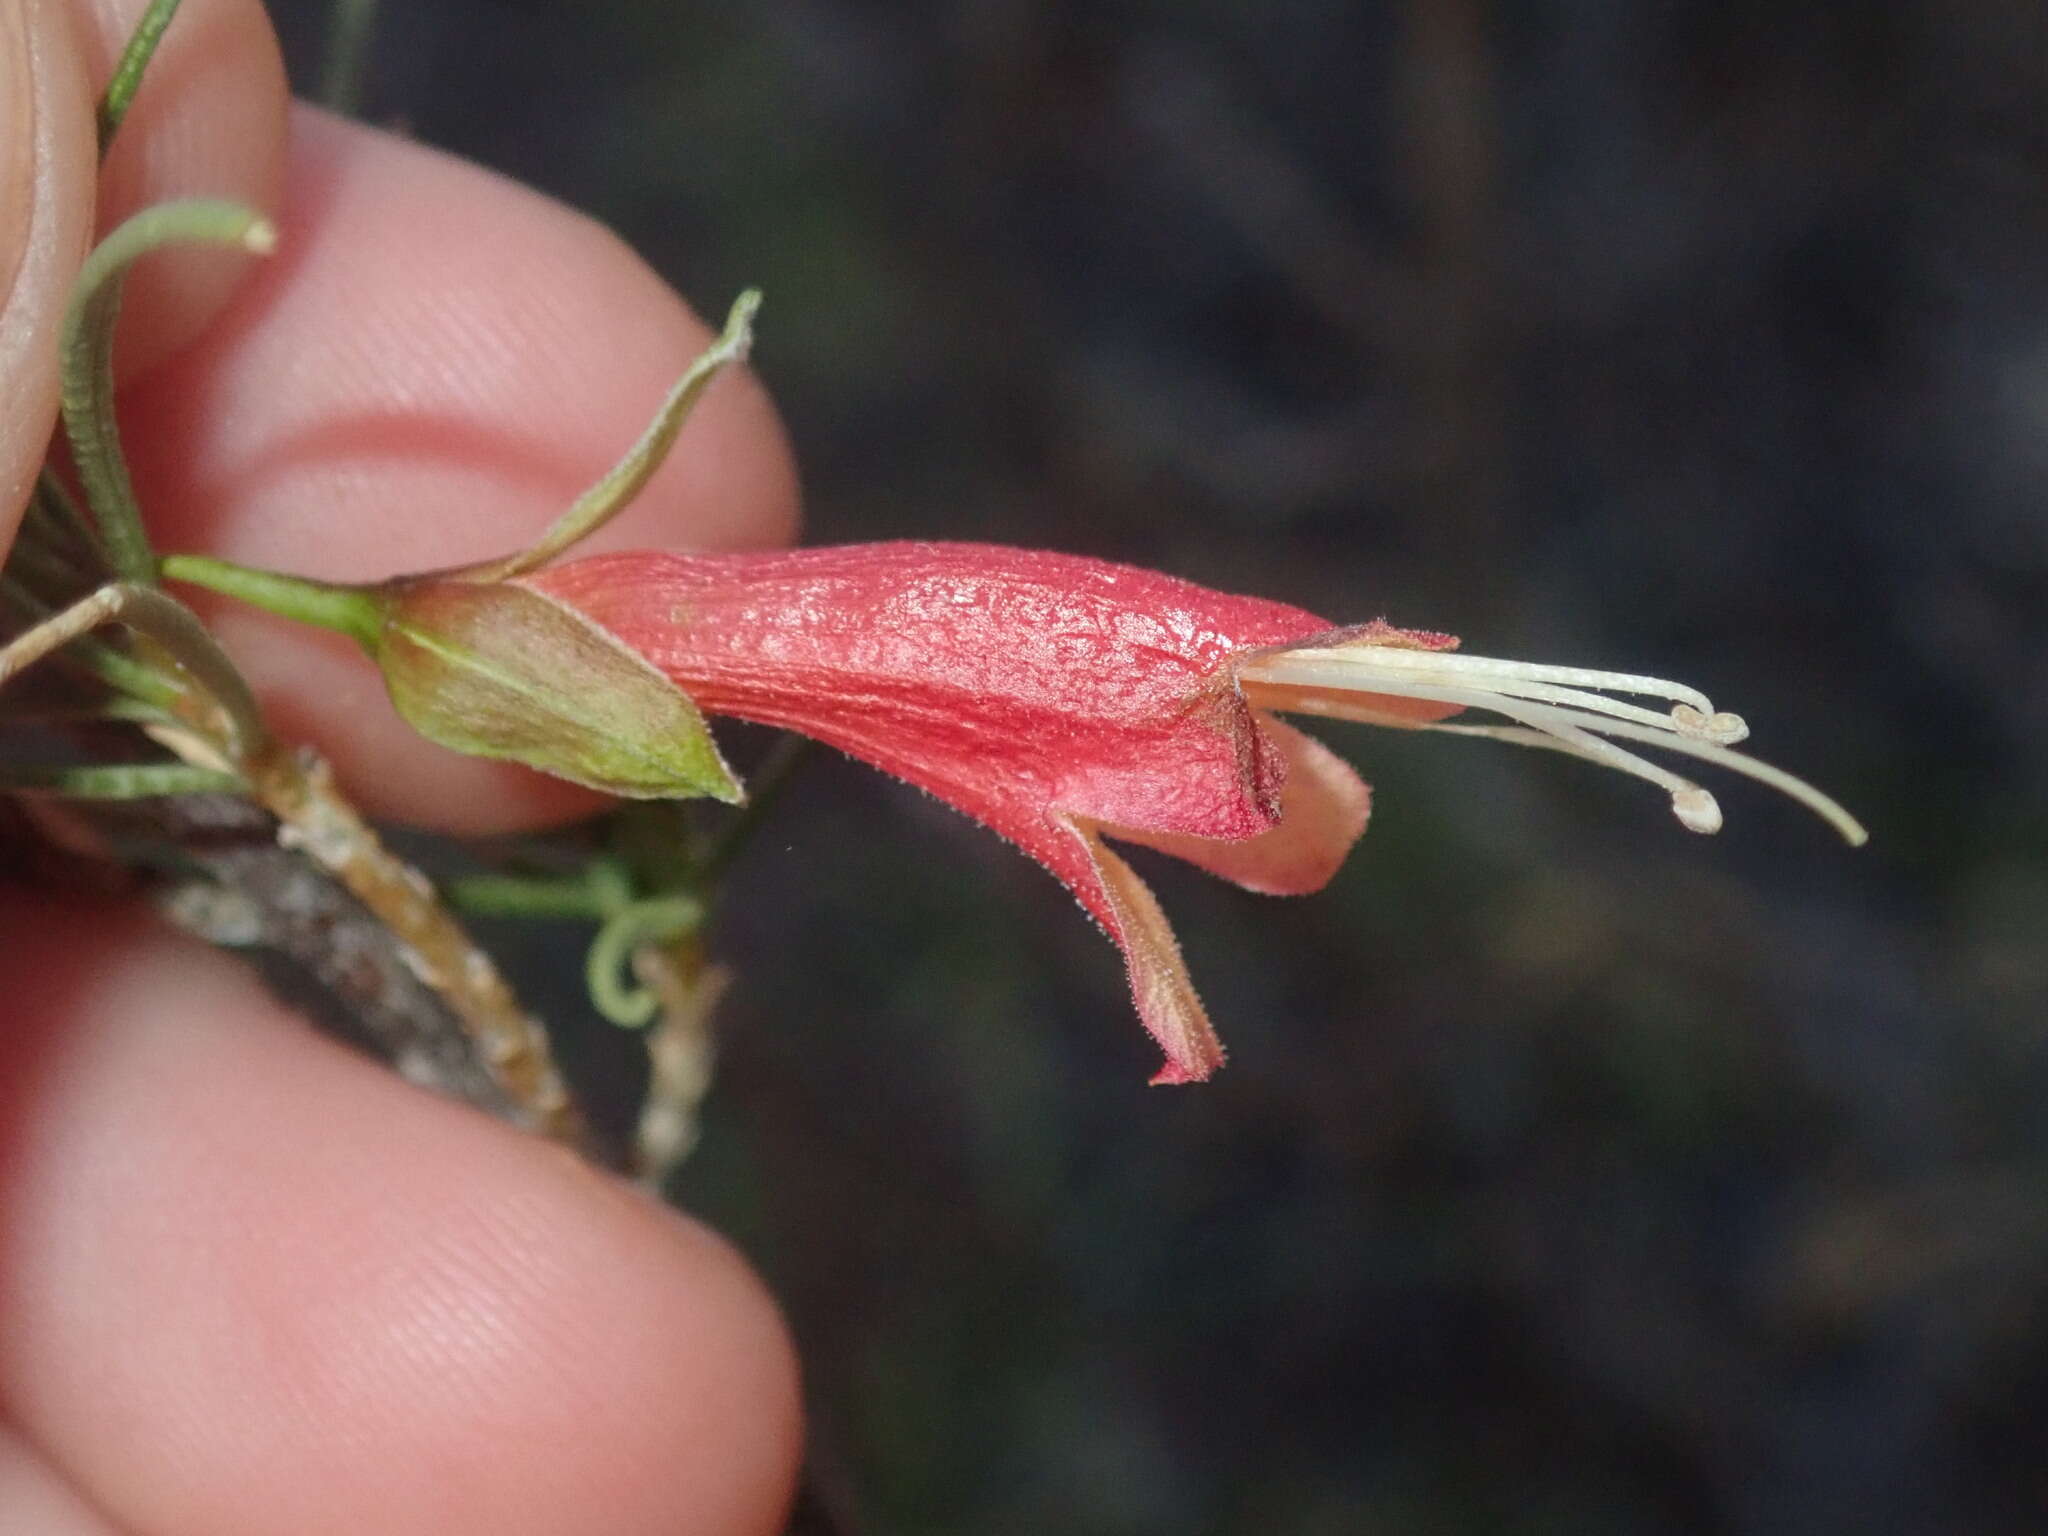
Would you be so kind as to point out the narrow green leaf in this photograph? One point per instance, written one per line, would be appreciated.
(88, 367)
(116, 781)
(350, 26)
(129, 70)
(611, 495)
(16, 709)
(55, 515)
(43, 569)
(110, 664)
(564, 897)
(170, 624)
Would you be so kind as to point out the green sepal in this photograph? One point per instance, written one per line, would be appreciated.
(494, 669)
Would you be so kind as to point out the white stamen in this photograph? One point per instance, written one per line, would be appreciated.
(1722, 727)
(1471, 668)
(1566, 730)
(1555, 707)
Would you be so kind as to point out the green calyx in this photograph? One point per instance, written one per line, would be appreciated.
(494, 669)
(481, 664)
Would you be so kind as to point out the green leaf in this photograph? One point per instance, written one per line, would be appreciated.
(350, 26)
(129, 70)
(623, 481)
(117, 781)
(353, 611)
(87, 353)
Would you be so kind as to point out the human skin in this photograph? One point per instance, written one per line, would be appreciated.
(248, 1281)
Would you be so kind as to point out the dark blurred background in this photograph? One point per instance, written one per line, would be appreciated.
(1572, 1173)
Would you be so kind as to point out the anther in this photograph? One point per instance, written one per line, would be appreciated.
(1697, 810)
(1723, 726)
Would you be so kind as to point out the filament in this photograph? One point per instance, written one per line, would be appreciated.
(1562, 709)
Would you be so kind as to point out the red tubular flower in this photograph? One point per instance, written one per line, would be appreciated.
(1057, 699)
(1051, 698)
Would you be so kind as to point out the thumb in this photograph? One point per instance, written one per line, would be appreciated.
(46, 206)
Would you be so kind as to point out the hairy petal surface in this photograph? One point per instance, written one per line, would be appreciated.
(1324, 806)
(1002, 680)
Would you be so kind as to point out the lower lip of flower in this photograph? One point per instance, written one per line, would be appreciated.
(1357, 675)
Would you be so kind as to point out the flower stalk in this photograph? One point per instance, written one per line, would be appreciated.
(116, 781)
(352, 611)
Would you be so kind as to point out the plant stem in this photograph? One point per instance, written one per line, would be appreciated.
(569, 898)
(350, 26)
(299, 791)
(350, 610)
(680, 1053)
(115, 781)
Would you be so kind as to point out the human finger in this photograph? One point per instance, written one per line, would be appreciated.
(46, 191)
(250, 1282)
(208, 119)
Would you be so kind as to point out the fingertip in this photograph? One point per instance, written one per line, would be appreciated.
(322, 1301)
